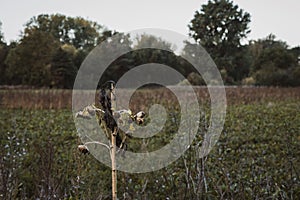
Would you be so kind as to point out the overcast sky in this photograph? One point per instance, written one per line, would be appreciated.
(281, 18)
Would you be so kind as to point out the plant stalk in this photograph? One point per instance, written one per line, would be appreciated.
(113, 167)
(113, 149)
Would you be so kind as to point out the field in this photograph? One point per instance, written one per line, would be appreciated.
(256, 157)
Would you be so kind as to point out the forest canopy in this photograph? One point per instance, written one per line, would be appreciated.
(51, 49)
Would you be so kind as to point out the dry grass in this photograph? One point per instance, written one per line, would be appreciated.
(59, 99)
(36, 99)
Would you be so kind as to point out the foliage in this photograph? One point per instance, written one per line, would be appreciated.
(195, 79)
(219, 22)
(79, 32)
(39, 157)
(63, 69)
(219, 27)
(4, 49)
(271, 75)
(1, 35)
(271, 50)
(42, 56)
(144, 49)
(257, 155)
(150, 49)
(273, 62)
(29, 63)
(118, 43)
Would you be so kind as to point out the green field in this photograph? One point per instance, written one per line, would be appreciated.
(256, 157)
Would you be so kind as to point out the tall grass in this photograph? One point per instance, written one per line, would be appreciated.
(58, 99)
(36, 99)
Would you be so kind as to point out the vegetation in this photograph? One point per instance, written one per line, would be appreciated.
(219, 27)
(52, 48)
(257, 155)
(62, 99)
(273, 64)
(50, 51)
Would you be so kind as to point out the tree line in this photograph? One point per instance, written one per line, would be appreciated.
(52, 48)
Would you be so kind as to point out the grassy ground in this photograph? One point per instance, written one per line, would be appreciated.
(256, 157)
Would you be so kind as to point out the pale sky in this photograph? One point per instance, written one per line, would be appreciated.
(281, 18)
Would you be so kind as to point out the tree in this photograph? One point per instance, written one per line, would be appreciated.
(79, 32)
(296, 52)
(83, 34)
(269, 49)
(29, 62)
(4, 49)
(153, 49)
(219, 27)
(273, 62)
(52, 49)
(152, 41)
(3, 54)
(1, 35)
(117, 43)
(63, 69)
(144, 49)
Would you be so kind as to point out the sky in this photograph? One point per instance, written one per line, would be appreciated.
(280, 18)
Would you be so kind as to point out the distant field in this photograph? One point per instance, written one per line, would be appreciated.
(256, 157)
(58, 99)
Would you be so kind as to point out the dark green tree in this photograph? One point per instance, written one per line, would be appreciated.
(219, 27)
(151, 49)
(152, 41)
(42, 56)
(1, 35)
(273, 62)
(63, 69)
(4, 49)
(3, 55)
(296, 52)
(29, 62)
(118, 42)
(269, 49)
(143, 49)
(157, 51)
(79, 32)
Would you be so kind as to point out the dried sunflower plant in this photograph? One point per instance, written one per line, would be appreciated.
(108, 119)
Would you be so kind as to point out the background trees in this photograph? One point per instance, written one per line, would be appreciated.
(52, 48)
(29, 63)
(79, 32)
(63, 69)
(1, 34)
(273, 62)
(3, 54)
(219, 27)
